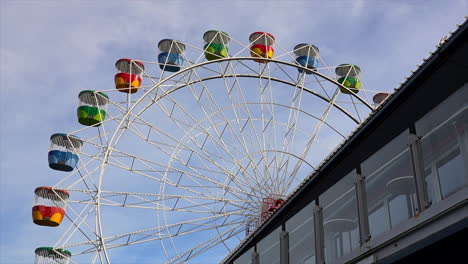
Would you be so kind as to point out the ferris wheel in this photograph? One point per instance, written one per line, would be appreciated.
(191, 152)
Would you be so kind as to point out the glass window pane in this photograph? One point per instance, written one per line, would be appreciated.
(340, 220)
(453, 104)
(245, 258)
(450, 173)
(390, 185)
(432, 186)
(397, 208)
(444, 145)
(301, 236)
(378, 220)
(269, 248)
(386, 153)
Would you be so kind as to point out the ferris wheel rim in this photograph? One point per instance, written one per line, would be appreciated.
(298, 86)
(295, 65)
(115, 138)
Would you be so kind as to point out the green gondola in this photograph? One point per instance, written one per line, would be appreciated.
(92, 107)
(216, 44)
(349, 77)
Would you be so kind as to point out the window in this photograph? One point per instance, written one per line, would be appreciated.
(269, 248)
(396, 207)
(451, 169)
(390, 185)
(378, 220)
(444, 144)
(246, 258)
(301, 236)
(340, 220)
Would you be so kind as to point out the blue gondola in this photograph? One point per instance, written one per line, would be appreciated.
(307, 56)
(170, 57)
(63, 153)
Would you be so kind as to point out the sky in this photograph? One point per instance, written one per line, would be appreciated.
(50, 50)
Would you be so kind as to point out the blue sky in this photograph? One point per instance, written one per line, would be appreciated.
(51, 50)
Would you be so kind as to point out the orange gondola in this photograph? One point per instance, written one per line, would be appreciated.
(262, 45)
(49, 206)
(129, 75)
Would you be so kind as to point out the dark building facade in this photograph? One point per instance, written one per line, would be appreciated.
(396, 191)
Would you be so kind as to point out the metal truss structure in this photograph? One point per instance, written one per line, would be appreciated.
(182, 166)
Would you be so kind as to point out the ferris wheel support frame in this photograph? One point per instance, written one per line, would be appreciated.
(113, 140)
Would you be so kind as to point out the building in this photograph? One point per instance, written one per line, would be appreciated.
(396, 191)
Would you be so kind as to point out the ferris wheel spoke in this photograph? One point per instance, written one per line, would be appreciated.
(94, 141)
(137, 200)
(124, 194)
(202, 247)
(218, 109)
(290, 129)
(286, 54)
(199, 128)
(249, 179)
(76, 226)
(184, 227)
(178, 231)
(194, 173)
(230, 222)
(166, 181)
(271, 108)
(341, 110)
(103, 124)
(90, 250)
(318, 81)
(204, 150)
(158, 233)
(320, 85)
(250, 69)
(311, 140)
(164, 136)
(158, 206)
(241, 103)
(289, 141)
(86, 176)
(77, 223)
(366, 95)
(355, 108)
(145, 238)
(207, 68)
(80, 178)
(255, 138)
(157, 82)
(267, 117)
(296, 81)
(161, 179)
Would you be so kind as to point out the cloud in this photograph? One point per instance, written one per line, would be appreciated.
(52, 50)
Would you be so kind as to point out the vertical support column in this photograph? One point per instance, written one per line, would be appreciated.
(255, 257)
(418, 167)
(319, 239)
(284, 246)
(361, 196)
(462, 137)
